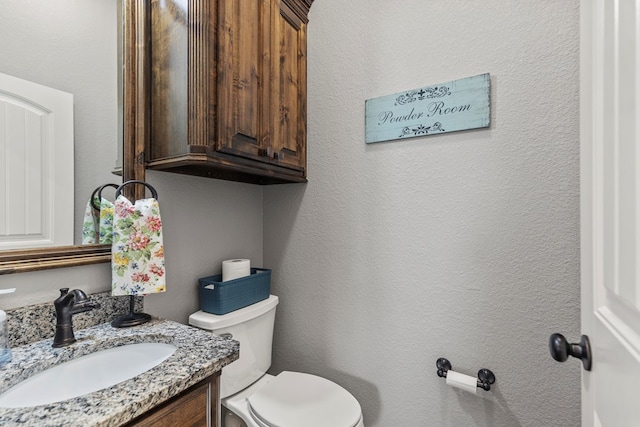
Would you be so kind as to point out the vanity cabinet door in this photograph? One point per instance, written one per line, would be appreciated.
(198, 406)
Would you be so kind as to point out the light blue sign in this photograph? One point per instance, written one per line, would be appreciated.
(448, 107)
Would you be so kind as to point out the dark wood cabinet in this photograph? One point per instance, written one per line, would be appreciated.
(198, 406)
(289, 85)
(227, 89)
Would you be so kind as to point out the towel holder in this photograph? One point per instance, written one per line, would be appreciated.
(485, 376)
(154, 193)
(98, 192)
(93, 199)
(133, 318)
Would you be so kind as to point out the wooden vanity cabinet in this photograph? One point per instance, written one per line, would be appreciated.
(227, 90)
(198, 406)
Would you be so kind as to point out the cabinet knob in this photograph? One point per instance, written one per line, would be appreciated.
(275, 155)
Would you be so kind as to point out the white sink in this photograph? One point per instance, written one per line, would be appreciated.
(86, 374)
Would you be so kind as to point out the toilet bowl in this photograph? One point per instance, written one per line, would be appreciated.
(293, 399)
(252, 398)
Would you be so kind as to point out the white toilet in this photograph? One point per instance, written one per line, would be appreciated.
(253, 398)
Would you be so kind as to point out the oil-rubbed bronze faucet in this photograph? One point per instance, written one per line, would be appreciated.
(68, 304)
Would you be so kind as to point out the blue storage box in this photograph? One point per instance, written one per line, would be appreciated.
(218, 297)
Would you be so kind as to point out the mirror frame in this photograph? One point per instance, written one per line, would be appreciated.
(135, 102)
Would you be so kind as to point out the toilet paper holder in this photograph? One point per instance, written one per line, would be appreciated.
(485, 376)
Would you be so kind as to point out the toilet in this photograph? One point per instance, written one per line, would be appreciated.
(252, 398)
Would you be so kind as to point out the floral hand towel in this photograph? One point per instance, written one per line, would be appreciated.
(97, 226)
(90, 223)
(106, 222)
(137, 251)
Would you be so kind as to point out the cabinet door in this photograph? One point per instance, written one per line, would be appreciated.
(243, 78)
(199, 406)
(288, 87)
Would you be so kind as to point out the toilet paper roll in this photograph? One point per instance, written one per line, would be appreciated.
(462, 381)
(235, 268)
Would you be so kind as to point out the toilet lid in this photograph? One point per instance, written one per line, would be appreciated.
(294, 399)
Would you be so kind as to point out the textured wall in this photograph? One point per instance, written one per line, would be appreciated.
(460, 245)
(205, 221)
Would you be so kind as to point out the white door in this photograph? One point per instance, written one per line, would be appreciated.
(610, 210)
(36, 165)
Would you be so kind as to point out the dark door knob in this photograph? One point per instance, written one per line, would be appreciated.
(561, 349)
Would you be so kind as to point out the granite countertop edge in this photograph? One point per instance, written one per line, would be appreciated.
(199, 354)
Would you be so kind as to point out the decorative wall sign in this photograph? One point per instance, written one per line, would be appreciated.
(446, 107)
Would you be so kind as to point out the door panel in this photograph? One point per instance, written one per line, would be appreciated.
(289, 71)
(610, 208)
(243, 113)
(36, 165)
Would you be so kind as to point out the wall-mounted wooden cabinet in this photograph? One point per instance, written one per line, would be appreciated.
(227, 89)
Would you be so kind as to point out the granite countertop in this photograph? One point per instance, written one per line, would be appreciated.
(199, 354)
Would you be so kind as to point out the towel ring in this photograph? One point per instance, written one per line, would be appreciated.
(93, 199)
(99, 194)
(154, 193)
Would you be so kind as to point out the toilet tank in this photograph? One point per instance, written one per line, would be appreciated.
(252, 326)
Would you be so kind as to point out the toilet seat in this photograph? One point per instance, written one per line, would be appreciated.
(295, 399)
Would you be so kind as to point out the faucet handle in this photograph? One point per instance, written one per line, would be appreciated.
(80, 296)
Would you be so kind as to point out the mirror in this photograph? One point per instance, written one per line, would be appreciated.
(72, 45)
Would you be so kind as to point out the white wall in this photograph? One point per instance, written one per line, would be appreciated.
(205, 221)
(461, 245)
